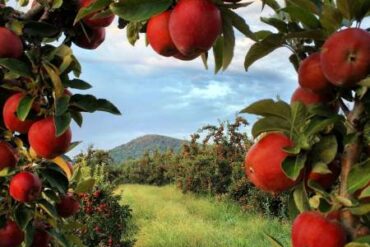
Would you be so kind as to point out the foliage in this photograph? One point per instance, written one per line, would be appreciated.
(137, 147)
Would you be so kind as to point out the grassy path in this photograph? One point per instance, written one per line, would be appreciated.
(168, 218)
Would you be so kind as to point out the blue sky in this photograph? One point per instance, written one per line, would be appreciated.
(159, 95)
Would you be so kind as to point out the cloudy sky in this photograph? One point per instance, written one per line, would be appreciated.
(159, 95)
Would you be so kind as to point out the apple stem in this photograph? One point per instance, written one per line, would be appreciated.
(350, 157)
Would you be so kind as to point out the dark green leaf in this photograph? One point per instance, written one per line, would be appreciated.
(92, 8)
(229, 42)
(303, 15)
(280, 25)
(271, 3)
(107, 106)
(23, 216)
(24, 107)
(16, 66)
(218, 53)
(77, 83)
(268, 124)
(56, 180)
(301, 198)
(293, 166)
(61, 105)
(306, 4)
(40, 29)
(48, 208)
(239, 23)
(62, 123)
(326, 150)
(77, 117)
(269, 107)
(139, 10)
(60, 239)
(359, 177)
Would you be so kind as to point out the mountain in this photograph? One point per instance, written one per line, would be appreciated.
(138, 146)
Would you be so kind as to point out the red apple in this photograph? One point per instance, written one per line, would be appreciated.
(94, 38)
(185, 58)
(158, 34)
(308, 97)
(263, 163)
(25, 187)
(68, 206)
(11, 45)
(311, 229)
(91, 19)
(11, 235)
(310, 75)
(327, 180)
(194, 26)
(345, 57)
(11, 121)
(8, 157)
(41, 239)
(43, 140)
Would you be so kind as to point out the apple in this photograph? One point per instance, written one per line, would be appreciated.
(11, 235)
(41, 238)
(326, 180)
(308, 97)
(25, 187)
(43, 140)
(91, 40)
(8, 157)
(11, 45)
(11, 121)
(68, 206)
(185, 58)
(345, 57)
(91, 19)
(194, 26)
(311, 229)
(263, 163)
(159, 36)
(310, 75)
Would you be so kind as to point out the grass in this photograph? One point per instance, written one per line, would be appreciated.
(166, 217)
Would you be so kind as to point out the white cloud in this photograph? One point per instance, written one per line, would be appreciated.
(213, 90)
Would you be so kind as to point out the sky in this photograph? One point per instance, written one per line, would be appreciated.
(159, 95)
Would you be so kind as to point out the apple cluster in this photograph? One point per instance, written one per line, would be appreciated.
(91, 32)
(185, 31)
(344, 60)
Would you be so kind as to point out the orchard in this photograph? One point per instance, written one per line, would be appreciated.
(316, 146)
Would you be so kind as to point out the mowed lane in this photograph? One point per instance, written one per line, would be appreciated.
(168, 218)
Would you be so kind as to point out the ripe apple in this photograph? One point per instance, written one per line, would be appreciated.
(11, 45)
(194, 26)
(25, 187)
(93, 22)
(345, 57)
(41, 239)
(94, 38)
(327, 180)
(43, 140)
(68, 206)
(308, 97)
(310, 75)
(11, 235)
(263, 163)
(8, 157)
(11, 121)
(311, 229)
(158, 34)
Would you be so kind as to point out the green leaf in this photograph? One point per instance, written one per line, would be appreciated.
(359, 177)
(274, 242)
(301, 198)
(331, 18)
(77, 84)
(303, 15)
(365, 193)
(271, 3)
(62, 123)
(298, 115)
(40, 29)
(29, 233)
(229, 41)
(24, 107)
(85, 186)
(292, 166)
(77, 117)
(239, 23)
(363, 209)
(263, 48)
(54, 73)
(48, 208)
(133, 30)
(60, 239)
(23, 216)
(326, 150)
(61, 105)
(357, 245)
(268, 124)
(56, 180)
(95, 6)
(306, 4)
(218, 53)
(319, 124)
(345, 7)
(139, 10)
(16, 66)
(280, 25)
(268, 107)
(107, 106)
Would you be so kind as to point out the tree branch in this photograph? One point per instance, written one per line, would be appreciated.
(350, 157)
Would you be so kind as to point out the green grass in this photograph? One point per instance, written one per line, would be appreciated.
(166, 217)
